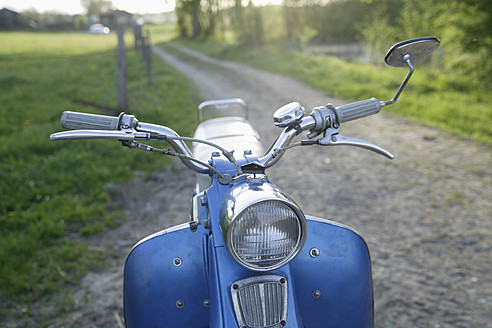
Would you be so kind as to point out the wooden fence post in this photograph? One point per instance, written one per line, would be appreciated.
(137, 30)
(148, 56)
(122, 98)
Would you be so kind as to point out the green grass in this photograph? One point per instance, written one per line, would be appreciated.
(434, 97)
(51, 192)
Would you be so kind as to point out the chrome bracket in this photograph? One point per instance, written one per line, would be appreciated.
(195, 215)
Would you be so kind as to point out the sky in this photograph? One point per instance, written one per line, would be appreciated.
(74, 7)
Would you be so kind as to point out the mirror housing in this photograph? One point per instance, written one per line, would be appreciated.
(418, 49)
(408, 53)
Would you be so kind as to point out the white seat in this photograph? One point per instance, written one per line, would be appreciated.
(231, 133)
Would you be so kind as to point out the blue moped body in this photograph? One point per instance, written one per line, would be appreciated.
(178, 278)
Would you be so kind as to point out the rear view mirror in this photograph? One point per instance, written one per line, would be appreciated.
(408, 53)
(415, 49)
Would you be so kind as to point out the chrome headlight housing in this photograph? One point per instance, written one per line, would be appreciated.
(264, 228)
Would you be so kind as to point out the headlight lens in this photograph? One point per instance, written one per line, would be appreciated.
(266, 235)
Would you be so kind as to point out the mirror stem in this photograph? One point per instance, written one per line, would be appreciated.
(407, 60)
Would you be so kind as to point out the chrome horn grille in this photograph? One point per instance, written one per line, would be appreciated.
(260, 302)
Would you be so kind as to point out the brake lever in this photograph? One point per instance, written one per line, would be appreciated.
(99, 134)
(332, 137)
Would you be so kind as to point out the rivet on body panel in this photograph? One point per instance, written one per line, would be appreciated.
(314, 252)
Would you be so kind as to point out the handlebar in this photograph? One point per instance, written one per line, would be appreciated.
(274, 154)
(323, 120)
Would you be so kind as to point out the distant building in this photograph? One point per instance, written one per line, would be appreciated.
(59, 22)
(10, 19)
(93, 19)
(117, 18)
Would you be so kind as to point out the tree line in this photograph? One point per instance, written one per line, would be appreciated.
(464, 26)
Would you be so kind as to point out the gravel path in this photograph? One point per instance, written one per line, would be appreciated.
(426, 215)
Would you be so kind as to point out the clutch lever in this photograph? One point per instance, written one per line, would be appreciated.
(332, 137)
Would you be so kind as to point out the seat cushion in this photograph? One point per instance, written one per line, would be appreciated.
(231, 133)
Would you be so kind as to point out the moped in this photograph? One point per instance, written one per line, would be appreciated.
(249, 257)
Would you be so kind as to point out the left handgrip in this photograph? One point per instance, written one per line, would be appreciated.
(83, 121)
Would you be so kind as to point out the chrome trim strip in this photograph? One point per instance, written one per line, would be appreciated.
(160, 233)
(338, 224)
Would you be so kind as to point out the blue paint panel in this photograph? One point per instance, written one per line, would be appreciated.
(153, 284)
(341, 272)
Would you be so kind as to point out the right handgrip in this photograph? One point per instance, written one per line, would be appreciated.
(357, 110)
(83, 121)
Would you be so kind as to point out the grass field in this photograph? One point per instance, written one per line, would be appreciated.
(437, 98)
(51, 192)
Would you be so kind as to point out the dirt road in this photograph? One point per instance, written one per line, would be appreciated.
(426, 215)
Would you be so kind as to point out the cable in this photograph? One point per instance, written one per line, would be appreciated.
(173, 153)
(225, 152)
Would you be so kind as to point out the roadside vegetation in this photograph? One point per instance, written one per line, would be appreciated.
(451, 90)
(52, 195)
(434, 96)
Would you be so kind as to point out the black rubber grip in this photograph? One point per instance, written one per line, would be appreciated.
(357, 110)
(83, 121)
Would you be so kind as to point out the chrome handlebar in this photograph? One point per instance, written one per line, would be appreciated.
(322, 120)
(275, 151)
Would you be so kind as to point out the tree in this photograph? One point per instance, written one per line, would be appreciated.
(464, 27)
(198, 18)
(188, 13)
(96, 7)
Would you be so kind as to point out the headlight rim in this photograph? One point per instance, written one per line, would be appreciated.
(301, 221)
